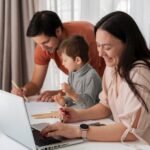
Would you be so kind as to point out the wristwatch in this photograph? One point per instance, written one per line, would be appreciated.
(84, 129)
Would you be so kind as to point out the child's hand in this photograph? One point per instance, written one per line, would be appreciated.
(67, 89)
(59, 99)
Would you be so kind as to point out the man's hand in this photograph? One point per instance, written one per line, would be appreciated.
(19, 91)
(46, 96)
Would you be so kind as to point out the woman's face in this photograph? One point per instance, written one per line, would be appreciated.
(109, 47)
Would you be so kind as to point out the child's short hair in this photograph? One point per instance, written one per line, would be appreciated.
(75, 46)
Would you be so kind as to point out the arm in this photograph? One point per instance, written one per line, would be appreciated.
(112, 132)
(108, 133)
(89, 95)
(98, 111)
(35, 84)
(37, 80)
(92, 88)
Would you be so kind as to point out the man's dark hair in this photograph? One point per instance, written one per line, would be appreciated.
(75, 46)
(44, 22)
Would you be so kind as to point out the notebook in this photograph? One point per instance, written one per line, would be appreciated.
(14, 122)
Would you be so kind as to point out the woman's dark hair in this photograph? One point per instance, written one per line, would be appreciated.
(75, 46)
(123, 27)
(45, 22)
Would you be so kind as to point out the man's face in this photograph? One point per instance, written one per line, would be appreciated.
(47, 43)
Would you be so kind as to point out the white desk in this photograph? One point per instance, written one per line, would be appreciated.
(8, 144)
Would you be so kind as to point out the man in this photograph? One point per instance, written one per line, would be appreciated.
(47, 31)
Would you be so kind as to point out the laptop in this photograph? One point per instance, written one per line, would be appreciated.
(14, 122)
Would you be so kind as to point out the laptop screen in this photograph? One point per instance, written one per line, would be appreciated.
(14, 120)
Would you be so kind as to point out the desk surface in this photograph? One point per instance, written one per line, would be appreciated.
(8, 144)
(32, 107)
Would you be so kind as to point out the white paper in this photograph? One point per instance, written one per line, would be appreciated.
(39, 126)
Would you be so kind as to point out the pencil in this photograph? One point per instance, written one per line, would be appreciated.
(62, 118)
(15, 85)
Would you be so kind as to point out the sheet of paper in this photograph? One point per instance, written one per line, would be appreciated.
(33, 98)
(41, 107)
(39, 126)
(46, 107)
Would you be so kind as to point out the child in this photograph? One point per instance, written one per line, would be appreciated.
(84, 82)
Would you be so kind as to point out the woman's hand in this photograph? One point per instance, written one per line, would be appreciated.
(61, 129)
(70, 114)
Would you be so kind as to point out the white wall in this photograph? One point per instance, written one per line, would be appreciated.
(53, 77)
(140, 11)
(93, 10)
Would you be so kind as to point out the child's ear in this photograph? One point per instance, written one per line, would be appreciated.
(78, 60)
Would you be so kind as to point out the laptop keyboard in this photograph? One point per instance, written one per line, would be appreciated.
(41, 140)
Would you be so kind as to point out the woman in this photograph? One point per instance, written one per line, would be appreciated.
(126, 86)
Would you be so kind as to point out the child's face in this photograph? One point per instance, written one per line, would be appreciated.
(69, 63)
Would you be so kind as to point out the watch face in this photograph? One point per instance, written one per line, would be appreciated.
(84, 126)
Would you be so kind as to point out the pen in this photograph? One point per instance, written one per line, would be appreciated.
(96, 124)
(62, 118)
(15, 85)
